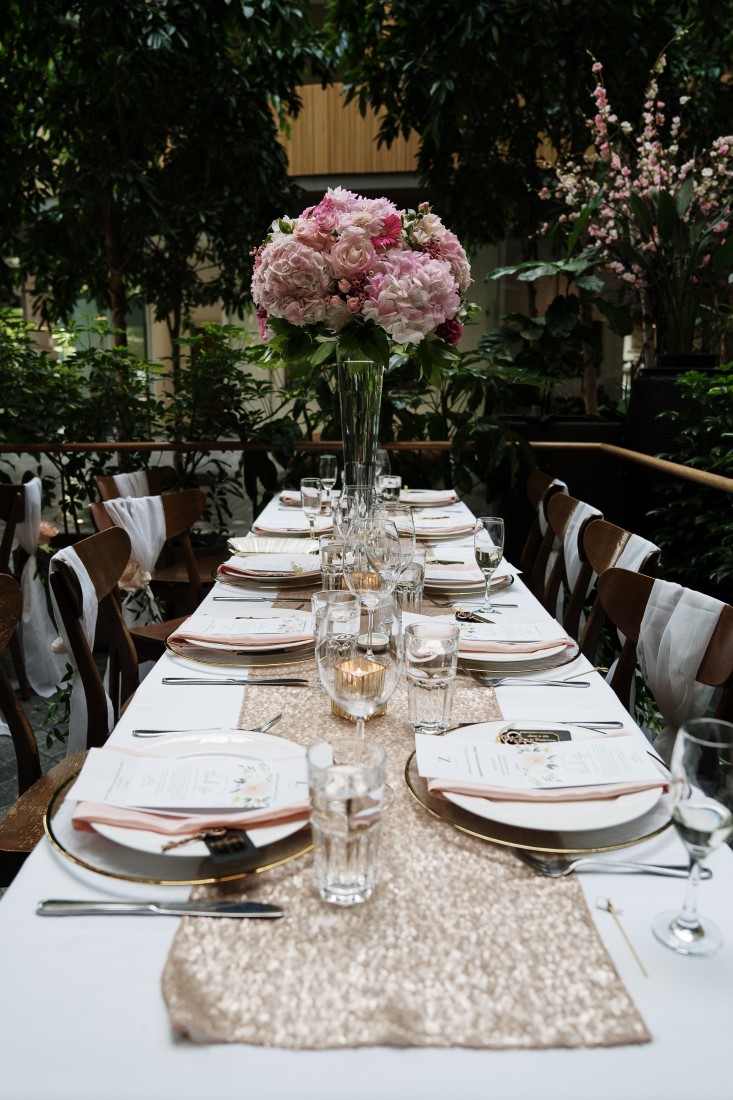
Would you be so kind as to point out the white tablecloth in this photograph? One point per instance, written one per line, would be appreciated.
(82, 1016)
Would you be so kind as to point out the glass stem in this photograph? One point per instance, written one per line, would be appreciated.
(370, 629)
(487, 598)
(687, 916)
(360, 729)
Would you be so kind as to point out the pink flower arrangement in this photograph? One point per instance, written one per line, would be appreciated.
(358, 264)
(657, 221)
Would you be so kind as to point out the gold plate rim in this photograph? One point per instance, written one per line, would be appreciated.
(290, 657)
(207, 880)
(505, 670)
(521, 837)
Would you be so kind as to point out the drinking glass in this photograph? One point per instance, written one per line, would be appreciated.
(354, 504)
(328, 473)
(311, 498)
(431, 661)
(411, 584)
(402, 517)
(488, 549)
(358, 679)
(332, 562)
(381, 464)
(343, 607)
(346, 781)
(389, 486)
(702, 801)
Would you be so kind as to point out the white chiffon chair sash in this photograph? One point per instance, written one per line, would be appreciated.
(674, 635)
(134, 484)
(144, 520)
(43, 667)
(78, 717)
(635, 553)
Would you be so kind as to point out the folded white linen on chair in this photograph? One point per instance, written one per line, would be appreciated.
(571, 549)
(674, 634)
(541, 517)
(635, 553)
(44, 668)
(144, 520)
(134, 484)
(78, 706)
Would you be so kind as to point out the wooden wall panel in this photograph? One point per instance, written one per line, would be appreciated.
(330, 137)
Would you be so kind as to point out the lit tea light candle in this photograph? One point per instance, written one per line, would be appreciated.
(357, 678)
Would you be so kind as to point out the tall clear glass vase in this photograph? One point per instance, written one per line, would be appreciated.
(360, 392)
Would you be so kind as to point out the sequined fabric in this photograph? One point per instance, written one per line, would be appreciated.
(460, 945)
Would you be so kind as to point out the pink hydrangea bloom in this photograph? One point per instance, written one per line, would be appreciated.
(411, 294)
(291, 281)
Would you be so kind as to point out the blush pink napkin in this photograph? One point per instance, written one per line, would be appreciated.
(490, 645)
(88, 814)
(181, 636)
(291, 497)
(236, 567)
(558, 794)
(437, 498)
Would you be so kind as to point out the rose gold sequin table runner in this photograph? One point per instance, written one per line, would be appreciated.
(460, 945)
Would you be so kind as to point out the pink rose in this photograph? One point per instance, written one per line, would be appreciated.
(352, 255)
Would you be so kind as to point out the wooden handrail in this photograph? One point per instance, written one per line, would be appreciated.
(675, 469)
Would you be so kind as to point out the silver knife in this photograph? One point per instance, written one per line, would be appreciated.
(261, 599)
(63, 908)
(283, 680)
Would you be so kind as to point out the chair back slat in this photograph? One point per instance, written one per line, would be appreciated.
(21, 733)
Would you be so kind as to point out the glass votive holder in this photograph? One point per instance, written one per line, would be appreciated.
(411, 583)
(431, 663)
(332, 562)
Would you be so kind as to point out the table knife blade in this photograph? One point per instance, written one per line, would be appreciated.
(57, 907)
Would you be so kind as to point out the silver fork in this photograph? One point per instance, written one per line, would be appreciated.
(521, 681)
(559, 866)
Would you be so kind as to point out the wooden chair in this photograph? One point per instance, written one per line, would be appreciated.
(177, 580)
(561, 510)
(12, 512)
(181, 510)
(540, 488)
(624, 595)
(104, 557)
(602, 546)
(22, 826)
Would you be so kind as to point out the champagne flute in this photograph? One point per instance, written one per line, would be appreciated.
(488, 549)
(702, 801)
(328, 473)
(311, 498)
(360, 682)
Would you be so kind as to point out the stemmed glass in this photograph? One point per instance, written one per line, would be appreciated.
(360, 682)
(381, 465)
(311, 498)
(402, 517)
(371, 566)
(328, 473)
(488, 549)
(702, 800)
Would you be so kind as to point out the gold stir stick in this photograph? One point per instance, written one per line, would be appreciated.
(607, 905)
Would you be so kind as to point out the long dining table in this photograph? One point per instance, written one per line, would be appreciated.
(82, 1014)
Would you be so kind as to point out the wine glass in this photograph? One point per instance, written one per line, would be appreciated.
(371, 565)
(702, 801)
(360, 681)
(488, 549)
(381, 465)
(311, 498)
(328, 473)
(353, 505)
(402, 517)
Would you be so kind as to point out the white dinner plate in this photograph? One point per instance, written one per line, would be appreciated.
(257, 746)
(530, 660)
(561, 817)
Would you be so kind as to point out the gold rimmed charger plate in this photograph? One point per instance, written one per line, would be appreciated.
(518, 668)
(96, 853)
(222, 659)
(538, 840)
(476, 590)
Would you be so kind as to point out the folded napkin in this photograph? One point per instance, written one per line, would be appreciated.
(271, 565)
(251, 633)
(459, 573)
(477, 638)
(291, 497)
(294, 524)
(441, 523)
(568, 771)
(429, 497)
(88, 814)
